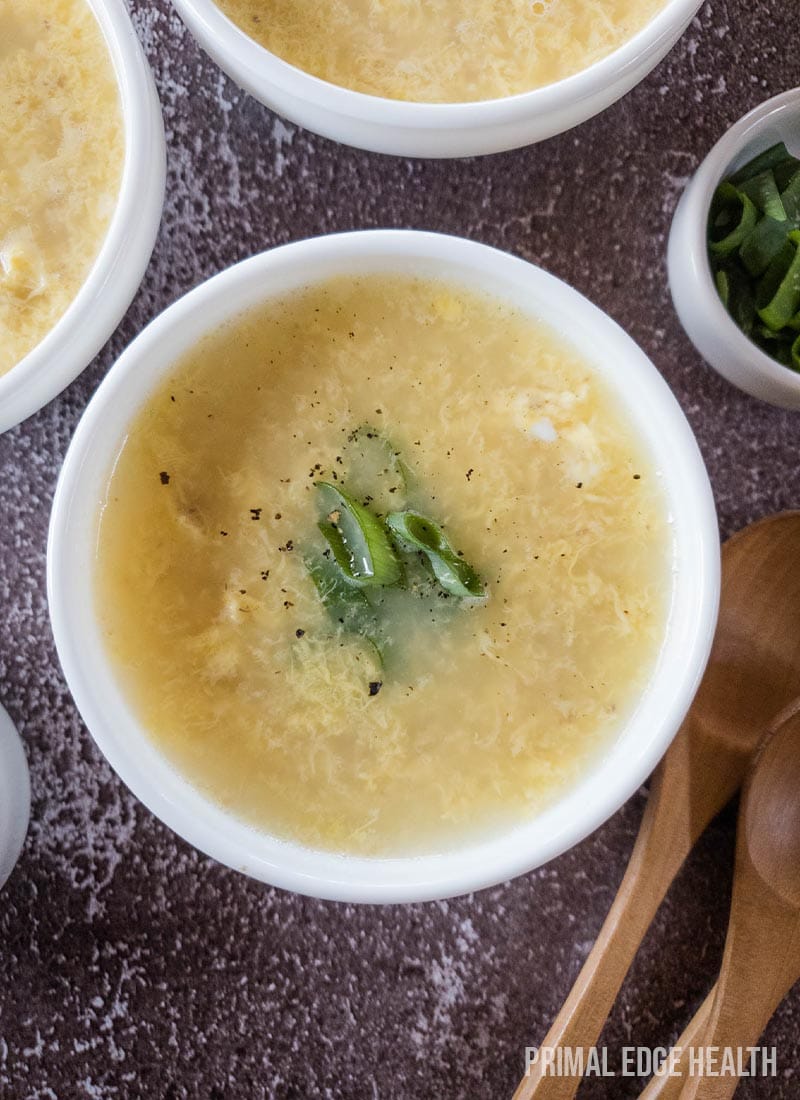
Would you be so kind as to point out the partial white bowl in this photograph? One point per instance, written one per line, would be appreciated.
(15, 796)
(108, 713)
(708, 324)
(117, 272)
(432, 129)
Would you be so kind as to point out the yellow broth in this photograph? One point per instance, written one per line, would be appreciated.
(437, 51)
(61, 156)
(487, 710)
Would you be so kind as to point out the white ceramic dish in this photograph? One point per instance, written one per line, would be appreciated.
(708, 324)
(15, 796)
(116, 273)
(91, 677)
(432, 129)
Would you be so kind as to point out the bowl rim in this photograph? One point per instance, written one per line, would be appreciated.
(114, 277)
(618, 771)
(727, 154)
(271, 70)
(15, 796)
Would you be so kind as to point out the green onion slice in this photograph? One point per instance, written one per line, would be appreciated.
(347, 606)
(754, 250)
(723, 286)
(360, 543)
(770, 158)
(762, 190)
(454, 574)
(796, 354)
(790, 196)
(740, 301)
(763, 244)
(733, 217)
(778, 293)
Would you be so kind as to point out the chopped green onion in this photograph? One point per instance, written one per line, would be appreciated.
(359, 540)
(451, 571)
(723, 286)
(762, 245)
(770, 158)
(347, 606)
(754, 250)
(778, 293)
(796, 354)
(763, 193)
(790, 197)
(733, 217)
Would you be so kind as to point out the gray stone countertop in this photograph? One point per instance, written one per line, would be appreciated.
(132, 966)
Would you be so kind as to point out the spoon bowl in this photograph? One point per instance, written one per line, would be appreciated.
(761, 961)
(771, 818)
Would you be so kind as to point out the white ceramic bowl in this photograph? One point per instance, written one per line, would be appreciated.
(432, 129)
(15, 796)
(116, 273)
(708, 324)
(91, 677)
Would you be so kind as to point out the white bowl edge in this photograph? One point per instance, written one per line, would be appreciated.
(15, 796)
(433, 129)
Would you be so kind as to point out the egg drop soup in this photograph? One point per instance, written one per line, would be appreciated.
(61, 157)
(440, 51)
(504, 635)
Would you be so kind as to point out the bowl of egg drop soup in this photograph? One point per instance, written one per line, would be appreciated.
(82, 166)
(383, 566)
(439, 79)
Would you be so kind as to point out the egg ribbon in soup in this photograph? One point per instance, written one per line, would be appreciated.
(61, 157)
(441, 51)
(383, 566)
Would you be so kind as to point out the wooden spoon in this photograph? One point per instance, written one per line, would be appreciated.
(752, 673)
(669, 1086)
(761, 962)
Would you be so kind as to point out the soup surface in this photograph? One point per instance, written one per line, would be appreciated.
(466, 714)
(439, 51)
(61, 156)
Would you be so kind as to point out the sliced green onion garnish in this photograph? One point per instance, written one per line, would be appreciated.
(778, 294)
(796, 354)
(454, 574)
(762, 245)
(345, 603)
(770, 158)
(754, 250)
(347, 606)
(790, 197)
(762, 191)
(359, 540)
(723, 287)
(733, 216)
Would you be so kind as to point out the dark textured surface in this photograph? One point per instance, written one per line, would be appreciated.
(130, 966)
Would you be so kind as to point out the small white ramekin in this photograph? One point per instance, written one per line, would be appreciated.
(432, 129)
(118, 269)
(609, 781)
(708, 324)
(15, 796)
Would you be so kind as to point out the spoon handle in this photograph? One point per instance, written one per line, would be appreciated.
(756, 975)
(671, 824)
(669, 1085)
